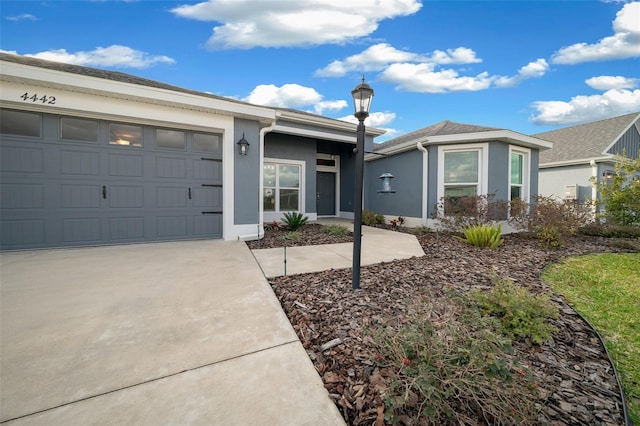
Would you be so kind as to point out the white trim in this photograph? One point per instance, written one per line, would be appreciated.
(314, 134)
(526, 171)
(425, 182)
(579, 162)
(301, 183)
(483, 166)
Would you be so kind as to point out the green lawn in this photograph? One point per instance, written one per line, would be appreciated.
(605, 289)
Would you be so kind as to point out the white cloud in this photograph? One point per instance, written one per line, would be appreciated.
(423, 78)
(379, 56)
(375, 119)
(293, 96)
(582, 109)
(534, 69)
(112, 56)
(606, 82)
(22, 17)
(250, 23)
(625, 43)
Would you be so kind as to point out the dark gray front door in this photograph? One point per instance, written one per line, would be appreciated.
(326, 196)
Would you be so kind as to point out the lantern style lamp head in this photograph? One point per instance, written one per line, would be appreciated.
(608, 175)
(243, 146)
(362, 96)
(386, 184)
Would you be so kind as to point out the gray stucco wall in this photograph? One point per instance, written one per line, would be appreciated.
(290, 147)
(246, 174)
(535, 172)
(406, 168)
(498, 173)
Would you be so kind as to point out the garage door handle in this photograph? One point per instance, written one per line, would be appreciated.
(104, 192)
(189, 193)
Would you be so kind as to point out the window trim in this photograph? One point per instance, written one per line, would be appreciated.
(301, 191)
(483, 167)
(526, 171)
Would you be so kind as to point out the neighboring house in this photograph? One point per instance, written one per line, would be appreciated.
(94, 157)
(585, 151)
(451, 160)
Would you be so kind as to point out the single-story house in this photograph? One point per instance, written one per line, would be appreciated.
(451, 159)
(585, 151)
(93, 157)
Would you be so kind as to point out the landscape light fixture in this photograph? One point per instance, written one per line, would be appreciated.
(243, 145)
(362, 96)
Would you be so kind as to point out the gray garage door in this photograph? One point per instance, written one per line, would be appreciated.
(69, 181)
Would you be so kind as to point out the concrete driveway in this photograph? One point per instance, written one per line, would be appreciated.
(150, 334)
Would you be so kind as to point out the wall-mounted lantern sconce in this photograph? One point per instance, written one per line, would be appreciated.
(386, 184)
(608, 174)
(243, 146)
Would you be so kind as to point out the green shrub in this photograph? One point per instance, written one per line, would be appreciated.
(519, 313)
(620, 195)
(452, 370)
(293, 236)
(294, 220)
(370, 218)
(336, 230)
(567, 216)
(482, 236)
(549, 237)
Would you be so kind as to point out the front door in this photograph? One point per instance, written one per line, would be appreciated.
(326, 193)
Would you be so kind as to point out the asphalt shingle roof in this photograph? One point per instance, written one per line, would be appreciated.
(585, 141)
(439, 129)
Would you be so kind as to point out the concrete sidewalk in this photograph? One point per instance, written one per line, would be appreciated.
(378, 245)
(150, 334)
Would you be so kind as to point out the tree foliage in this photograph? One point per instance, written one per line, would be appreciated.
(620, 194)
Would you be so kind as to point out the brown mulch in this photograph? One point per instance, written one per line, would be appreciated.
(577, 384)
(311, 235)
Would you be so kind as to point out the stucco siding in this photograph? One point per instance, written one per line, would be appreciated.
(498, 175)
(553, 181)
(246, 174)
(406, 168)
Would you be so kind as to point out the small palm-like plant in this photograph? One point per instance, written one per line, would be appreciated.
(294, 220)
(482, 236)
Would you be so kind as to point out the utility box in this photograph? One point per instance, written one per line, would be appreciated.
(571, 192)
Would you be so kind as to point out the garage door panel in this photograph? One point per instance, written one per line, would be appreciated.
(81, 196)
(22, 196)
(21, 159)
(171, 226)
(171, 167)
(208, 170)
(208, 197)
(79, 162)
(126, 228)
(208, 225)
(170, 197)
(21, 233)
(130, 165)
(81, 230)
(129, 196)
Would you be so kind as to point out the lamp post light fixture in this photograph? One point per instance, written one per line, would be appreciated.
(243, 145)
(362, 96)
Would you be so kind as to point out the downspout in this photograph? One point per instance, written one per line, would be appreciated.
(263, 132)
(425, 179)
(594, 188)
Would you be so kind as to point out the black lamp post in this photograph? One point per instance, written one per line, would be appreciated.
(362, 96)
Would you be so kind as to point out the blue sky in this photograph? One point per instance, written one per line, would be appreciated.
(527, 66)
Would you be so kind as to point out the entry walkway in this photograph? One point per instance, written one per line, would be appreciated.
(378, 245)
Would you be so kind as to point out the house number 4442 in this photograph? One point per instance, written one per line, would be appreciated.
(49, 100)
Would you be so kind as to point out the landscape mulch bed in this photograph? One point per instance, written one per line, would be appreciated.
(576, 383)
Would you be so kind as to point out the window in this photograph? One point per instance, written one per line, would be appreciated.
(282, 183)
(171, 139)
(462, 175)
(20, 123)
(203, 142)
(518, 174)
(79, 129)
(125, 135)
